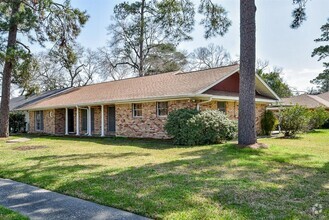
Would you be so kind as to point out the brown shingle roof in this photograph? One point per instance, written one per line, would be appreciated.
(173, 84)
(324, 96)
(309, 101)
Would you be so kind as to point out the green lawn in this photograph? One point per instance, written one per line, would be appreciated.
(160, 180)
(6, 214)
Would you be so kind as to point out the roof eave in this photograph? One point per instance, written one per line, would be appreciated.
(150, 99)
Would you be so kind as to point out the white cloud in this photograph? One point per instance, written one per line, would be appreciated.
(300, 78)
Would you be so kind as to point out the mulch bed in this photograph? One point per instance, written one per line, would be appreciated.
(33, 147)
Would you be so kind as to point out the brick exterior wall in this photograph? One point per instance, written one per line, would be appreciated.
(151, 126)
(148, 126)
(97, 120)
(32, 122)
(48, 122)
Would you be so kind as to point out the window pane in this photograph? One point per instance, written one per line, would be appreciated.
(137, 110)
(221, 106)
(84, 119)
(162, 112)
(38, 121)
(162, 108)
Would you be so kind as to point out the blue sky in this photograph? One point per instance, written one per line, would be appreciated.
(276, 41)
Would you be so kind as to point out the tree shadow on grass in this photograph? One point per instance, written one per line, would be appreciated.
(216, 182)
(215, 185)
(80, 157)
(316, 132)
(157, 144)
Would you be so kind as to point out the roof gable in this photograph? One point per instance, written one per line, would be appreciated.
(231, 84)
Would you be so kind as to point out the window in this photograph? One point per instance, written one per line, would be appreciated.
(38, 120)
(162, 108)
(137, 110)
(221, 106)
(84, 115)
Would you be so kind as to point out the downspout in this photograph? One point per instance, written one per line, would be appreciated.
(200, 103)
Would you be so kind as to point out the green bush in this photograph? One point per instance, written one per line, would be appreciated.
(210, 127)
(190, 127)
(293, 120)
(268, 122)
(326, 124)
(318, 118)
(16, 122)
(176, 125)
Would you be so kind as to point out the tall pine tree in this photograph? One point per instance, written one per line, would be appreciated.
(322, 80)
(34, 21)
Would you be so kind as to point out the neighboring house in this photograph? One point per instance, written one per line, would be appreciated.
(138, 107)
(19, 102)
(308, 101)
(324, 96)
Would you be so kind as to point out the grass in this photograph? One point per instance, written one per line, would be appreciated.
(6, 214)
(164, 181)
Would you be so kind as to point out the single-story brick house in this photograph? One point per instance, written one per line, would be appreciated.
(138, 107)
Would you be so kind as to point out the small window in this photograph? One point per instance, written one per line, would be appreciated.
(39, 120)
(137, 110)
(221, 106)
(84, 115)
(162, 108)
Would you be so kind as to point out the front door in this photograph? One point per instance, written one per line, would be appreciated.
(71, 120)
(111, 115)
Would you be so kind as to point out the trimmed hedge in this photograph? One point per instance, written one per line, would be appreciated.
(190, 127)
(176, 124)
(268, 122)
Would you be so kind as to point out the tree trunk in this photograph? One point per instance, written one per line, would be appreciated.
(247, 122)
(141, 42)
(7, 72)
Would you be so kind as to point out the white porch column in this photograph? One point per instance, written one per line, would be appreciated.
(78, 122)
(102, 121)
(66, 121)
(89, 121)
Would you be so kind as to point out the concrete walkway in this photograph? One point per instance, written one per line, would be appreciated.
(38, 204)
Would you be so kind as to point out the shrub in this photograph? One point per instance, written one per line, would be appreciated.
(176, 125)
(293, 120)
(318, 118)
(210, 127)
(326, 124)
(16, 122)
(268, 122)
(191, 127)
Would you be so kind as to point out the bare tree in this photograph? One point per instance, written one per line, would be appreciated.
(53, 71)
(108, 68)
(209, 57)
